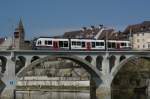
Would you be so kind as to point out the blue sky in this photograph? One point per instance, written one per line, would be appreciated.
(54, 17)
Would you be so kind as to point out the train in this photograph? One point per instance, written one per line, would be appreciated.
(48, 43)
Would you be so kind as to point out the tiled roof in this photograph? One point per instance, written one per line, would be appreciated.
(108, 34)
(144, 26)
(90, 33)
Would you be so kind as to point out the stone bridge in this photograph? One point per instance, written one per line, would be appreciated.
(101, 65)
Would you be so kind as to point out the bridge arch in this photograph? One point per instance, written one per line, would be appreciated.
(34, 58)
(3, 61)
(99, 60)
(122, 58)
(20, 62)
(93, 71)
(111, 62)
(88, 58)
(123, 62)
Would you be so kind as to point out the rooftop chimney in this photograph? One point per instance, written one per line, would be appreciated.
(84, 28)
(92, 27)
(100, 26)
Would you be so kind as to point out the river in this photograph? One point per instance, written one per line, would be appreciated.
(75, 95)
(52, 95)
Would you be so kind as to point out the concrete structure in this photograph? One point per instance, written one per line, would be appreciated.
(101, 65)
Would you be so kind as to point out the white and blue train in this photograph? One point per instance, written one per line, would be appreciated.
(48, 43)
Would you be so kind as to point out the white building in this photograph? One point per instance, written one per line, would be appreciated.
(141, 40)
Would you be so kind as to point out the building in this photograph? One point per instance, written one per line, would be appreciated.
(139, 35)
(141, 40)
(19, 42)
(91, 33)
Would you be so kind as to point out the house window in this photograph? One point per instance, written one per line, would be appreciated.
(65, 43)
(143, 34)
(138, 46)
(46, 42)
(49, 42)
(138, 40)
(143, 46)
(39, 42)
(148, 44)
(74, 43)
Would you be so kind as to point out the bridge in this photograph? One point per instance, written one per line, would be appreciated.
(101, 65)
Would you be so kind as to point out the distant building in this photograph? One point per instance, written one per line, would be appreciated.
(141, 40)
(139, 35)
(90, 33)
(19, 42)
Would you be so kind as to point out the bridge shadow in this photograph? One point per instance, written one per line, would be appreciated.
(2, 86)
(132, 76)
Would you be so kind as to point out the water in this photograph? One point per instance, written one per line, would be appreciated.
(52, 95)
(76, 95)
(130, 96)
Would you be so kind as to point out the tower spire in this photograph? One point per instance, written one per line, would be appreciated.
(20, 23)
(20, 27)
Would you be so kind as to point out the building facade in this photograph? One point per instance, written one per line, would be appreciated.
(139, 35)
(141, 40)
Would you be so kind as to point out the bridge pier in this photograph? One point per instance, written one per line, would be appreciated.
(9, 79)
(103, 92)
(100, 88)
(104, 89)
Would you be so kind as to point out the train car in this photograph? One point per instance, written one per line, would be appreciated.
(87, 44)
(118, 45)
(48, 43)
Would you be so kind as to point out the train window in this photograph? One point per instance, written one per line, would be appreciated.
(39, 42)
(60, 43)
(65, 44)
(148, 44)
(73, 43)
(93, 44)
(46, 42)
(98, 43)
(123, 44)
(113, 45)
(78, 43)
(109, 45)
(49, 42)
(83, 44)
(102, 43)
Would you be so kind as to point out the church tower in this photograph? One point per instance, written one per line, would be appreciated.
(19, 36)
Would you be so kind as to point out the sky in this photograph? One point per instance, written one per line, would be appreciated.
(54, 17)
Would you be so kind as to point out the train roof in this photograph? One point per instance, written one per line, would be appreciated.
(67, 38)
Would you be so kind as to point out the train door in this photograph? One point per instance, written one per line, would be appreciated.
(88, 47)
(55, 44)
(118, 45)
